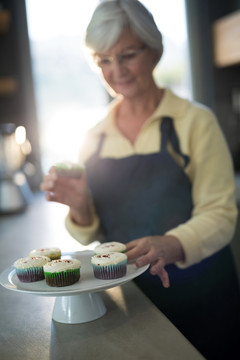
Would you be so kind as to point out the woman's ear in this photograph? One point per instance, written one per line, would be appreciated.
(155, 57)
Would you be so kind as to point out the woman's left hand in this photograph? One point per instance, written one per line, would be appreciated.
(158, 251)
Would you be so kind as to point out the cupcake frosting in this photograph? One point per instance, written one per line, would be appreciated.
(110, 247)
(111, 258)
(31, 262)
(62, 265)
(45, 252)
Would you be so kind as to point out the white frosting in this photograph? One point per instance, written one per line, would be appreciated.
(31, 262)
(111, 258)
(53, 251)
(110, 247)
(62, 265)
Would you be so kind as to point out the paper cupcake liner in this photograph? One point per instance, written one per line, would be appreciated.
(74, 174)
(30, 274)
(63, 278)
(110, 271)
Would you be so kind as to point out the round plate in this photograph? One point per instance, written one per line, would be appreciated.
(87, 283)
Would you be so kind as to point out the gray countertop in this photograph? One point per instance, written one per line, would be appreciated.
(132, 328)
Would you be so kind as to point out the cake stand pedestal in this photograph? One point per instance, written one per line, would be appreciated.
(80, 308)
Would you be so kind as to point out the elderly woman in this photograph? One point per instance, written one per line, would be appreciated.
(159, 178)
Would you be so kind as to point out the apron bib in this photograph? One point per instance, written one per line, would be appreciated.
(143, 195)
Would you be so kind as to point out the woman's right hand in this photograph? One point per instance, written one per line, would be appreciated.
(69, 191)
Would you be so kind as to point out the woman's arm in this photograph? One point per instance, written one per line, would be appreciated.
(213, 220)
(82, 221)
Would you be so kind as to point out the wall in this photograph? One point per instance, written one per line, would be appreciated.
(214, 86)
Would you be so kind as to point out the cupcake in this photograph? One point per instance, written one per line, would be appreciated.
(62, 272)
(30, 269)
(109, 266)
(53, 253)
(69, 169)
(110, 247)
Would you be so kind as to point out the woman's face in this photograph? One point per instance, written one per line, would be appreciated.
(128, 65)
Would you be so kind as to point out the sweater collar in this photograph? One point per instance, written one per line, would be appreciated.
(171, 105)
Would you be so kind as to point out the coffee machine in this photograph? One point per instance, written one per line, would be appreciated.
(15, 192)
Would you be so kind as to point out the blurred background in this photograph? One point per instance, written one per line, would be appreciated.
(50, 94)
(70, 97)
(50, 89)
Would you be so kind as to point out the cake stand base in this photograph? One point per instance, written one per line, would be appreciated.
(80, 308)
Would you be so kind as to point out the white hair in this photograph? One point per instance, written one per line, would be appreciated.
(111, 17)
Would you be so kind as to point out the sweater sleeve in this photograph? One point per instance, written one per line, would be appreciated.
(85, 234)
(213, 220)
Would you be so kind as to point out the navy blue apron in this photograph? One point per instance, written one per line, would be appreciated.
(143, 195)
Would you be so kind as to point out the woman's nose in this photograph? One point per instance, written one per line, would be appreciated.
(118, 67)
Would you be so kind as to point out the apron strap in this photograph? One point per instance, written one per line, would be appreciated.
(100, 143)
(168, 133)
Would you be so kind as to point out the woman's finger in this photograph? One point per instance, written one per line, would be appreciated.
(132, 244)
(52, 171)
(158, 269)
(47, 184)
(151, 257)
(136, 249)
(157, 266)
(50, 196)
(164, 278)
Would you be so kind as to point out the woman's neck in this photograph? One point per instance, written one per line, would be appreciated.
(131, 114)
(143, 104)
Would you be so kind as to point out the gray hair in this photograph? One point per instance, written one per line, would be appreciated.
(111, 17)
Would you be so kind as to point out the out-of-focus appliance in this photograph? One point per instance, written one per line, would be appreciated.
(15, 192)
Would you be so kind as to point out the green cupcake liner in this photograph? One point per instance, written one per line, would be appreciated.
(63, 278)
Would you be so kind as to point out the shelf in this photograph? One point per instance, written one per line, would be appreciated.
(8, 85)
(226, 39)
(5, 18)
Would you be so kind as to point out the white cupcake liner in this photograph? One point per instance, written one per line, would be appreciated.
(30, 274)
(109, 272)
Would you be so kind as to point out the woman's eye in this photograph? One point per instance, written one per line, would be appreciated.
(128, 56)
(104, 61)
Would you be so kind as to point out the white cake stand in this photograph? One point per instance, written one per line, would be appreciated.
(77, 303)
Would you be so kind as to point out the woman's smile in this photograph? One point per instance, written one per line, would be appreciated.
(123, 82)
